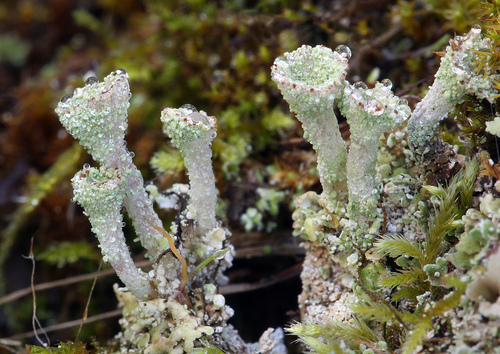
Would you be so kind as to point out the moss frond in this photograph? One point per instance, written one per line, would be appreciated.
(357, 330)
(378, 311)
(62, 348)
(329, 335)
(409, 292)
(409, 276)
(321, 348)
(438, 308)
(396, 246)
(415, 336)
(208, 349)
(452, 205)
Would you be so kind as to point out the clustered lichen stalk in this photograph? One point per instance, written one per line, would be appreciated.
(458, 75)
(101, 193)
(192, 133)
(157, 315)
(310, 80)
(305, 78)
(370, 113)
(96, 115)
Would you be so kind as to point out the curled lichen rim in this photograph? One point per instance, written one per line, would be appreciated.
(67, 101)
(284, 74)
(185, 116)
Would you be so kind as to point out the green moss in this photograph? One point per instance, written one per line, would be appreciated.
(67, 252)
(167, 161)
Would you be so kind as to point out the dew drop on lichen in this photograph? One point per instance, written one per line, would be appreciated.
(356, 95)
(344, 50)
(65, 98)
(360, 85)
(199, 118)
(476, 27)
(86, 166)
(403, 101)
(120, 72)
(387, 83)
(190, 107)
(91, 80)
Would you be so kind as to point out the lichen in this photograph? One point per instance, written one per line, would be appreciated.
(456, 77)
(310, 79)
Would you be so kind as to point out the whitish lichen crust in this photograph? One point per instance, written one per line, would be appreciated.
(101, 192)
(456, 77)
(96, 115)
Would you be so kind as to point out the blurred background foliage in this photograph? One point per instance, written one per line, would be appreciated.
(215, 55)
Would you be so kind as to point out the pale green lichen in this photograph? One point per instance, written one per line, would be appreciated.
(310, 217)
(494, 127)
(160, 326)
(268, 203)
(456, 77)
(482, 229)
(252, 219)
(369, 112)
(101, 192)
(96, 115)
(310, 79)
(192, 133)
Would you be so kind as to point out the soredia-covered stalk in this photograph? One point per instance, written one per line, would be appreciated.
(369, 112)
(192, 133)
(101, 192)
(458, 75)
(310, 79)
(96, 115)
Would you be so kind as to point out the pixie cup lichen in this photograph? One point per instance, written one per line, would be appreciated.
(192, 133)
(96, 115)
(370, 113)
(458, 75)
(101, 193)
(310, 79)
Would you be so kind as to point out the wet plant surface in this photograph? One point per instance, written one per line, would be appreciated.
(216, 56)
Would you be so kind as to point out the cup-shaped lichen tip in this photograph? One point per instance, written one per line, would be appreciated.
(99, 190)
(371, 112)
(311, 77)
(96, 114)
(187, 124)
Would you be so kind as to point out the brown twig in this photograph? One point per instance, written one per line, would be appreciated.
(68, 324)
(34, 319)
(86, 311)
(64, 282)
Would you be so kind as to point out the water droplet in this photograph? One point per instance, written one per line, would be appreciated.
(281, 60)
(476, 27)
(91, 80)
(86, 166)
(344, 50)
(132, 154)
(387, 83)
(221, 256)
(355, 94)
(65, 98)
(360, 85)
(190, 107)
(120, 72)
(403, 101)
(199, 118)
